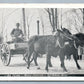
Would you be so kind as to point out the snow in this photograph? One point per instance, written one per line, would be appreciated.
(18, 66)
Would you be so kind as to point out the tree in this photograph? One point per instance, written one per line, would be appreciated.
(29, 18)
(42, 21)
(28, 28)
(74, 18)
(78, 19)
(52, 13)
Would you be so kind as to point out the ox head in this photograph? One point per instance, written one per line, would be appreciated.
(75, 40)
(62, 37)
(80, 38)
(72, 39)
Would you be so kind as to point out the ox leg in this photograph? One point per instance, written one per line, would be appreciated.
(28, 62)
(47, 62)
(35, 55)
(75, 59)
(24, 56)
(35, 59)
(50, 65)
(62, 63)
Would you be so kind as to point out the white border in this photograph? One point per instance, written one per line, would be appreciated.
(42, 6)
(41, 78)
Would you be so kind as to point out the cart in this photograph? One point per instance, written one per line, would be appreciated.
(9, 49)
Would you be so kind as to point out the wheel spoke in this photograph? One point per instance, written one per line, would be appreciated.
(6, 61)
(2, 58)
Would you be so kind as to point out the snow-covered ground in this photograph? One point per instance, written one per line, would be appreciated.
(18, 66)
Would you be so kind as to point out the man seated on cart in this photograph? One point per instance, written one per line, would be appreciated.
(17, 34)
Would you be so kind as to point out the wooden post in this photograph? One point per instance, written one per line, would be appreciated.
(38, 27)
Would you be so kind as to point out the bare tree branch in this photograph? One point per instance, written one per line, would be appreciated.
(48, 10)
(81, 9)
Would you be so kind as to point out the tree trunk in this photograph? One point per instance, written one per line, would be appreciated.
(56, 17)
(52, 12)
(28, 28)
(53, 19)
(83, 17)
(24, 23)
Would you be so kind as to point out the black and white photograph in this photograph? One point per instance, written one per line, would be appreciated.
(45, 41)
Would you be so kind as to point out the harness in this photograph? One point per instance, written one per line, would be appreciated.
(68, 37)
(75, 45)
(58, 44)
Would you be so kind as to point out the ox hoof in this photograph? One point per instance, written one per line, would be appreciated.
(23, 58)
(50, 66)
(38, 67)
(46, 69)
(65, 70)
(79, 67)
(27, 67)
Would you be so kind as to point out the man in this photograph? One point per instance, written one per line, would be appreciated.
(17, 34)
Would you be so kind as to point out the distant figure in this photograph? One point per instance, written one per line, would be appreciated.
(1, 39)
(80, 52)
(17, 34)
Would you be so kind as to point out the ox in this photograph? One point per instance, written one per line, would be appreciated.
(48, 45)
(67, 50)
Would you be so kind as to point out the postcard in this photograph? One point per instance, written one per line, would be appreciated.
(41, 42)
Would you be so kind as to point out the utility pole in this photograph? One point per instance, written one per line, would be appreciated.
(24, 22)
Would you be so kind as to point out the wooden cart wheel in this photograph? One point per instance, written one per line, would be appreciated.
(5, 54)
